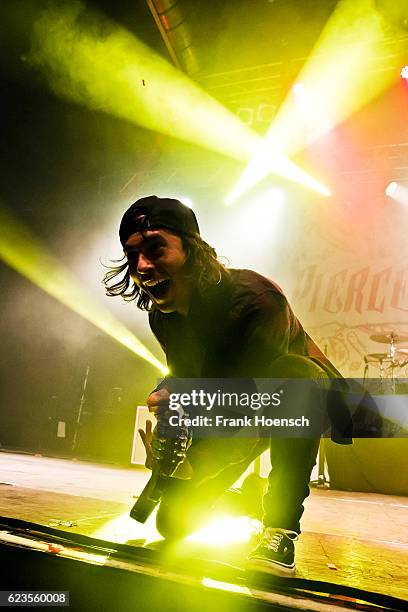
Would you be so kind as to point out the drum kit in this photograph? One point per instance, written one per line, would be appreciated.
(396, 357)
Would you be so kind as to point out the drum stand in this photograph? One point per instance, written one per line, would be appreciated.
(392, 338)
(322, 482)
(381, 358)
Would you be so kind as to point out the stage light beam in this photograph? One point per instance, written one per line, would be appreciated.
(337, 80)
(94, 62)
(23, 252)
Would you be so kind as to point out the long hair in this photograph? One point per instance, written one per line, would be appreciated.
(201, 266)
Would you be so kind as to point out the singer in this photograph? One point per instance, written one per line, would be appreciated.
(214, 322)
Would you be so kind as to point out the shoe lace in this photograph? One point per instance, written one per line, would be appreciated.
(272, 538)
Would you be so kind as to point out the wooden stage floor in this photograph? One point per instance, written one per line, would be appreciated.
(350, 538)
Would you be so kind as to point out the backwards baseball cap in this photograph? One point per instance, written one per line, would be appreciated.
(153, 212)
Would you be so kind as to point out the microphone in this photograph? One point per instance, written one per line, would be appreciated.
(169, 446)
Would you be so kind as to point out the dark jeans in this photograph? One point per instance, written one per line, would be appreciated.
(218, 463)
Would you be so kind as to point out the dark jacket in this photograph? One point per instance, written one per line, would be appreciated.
(237, 330)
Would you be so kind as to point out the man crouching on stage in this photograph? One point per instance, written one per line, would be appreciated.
(214, 322)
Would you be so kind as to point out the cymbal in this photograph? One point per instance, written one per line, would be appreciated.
(387, 337)
(402, 351)
(377, 356)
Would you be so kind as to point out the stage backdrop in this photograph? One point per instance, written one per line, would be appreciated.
(345, 269)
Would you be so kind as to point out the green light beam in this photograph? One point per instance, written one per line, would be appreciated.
(23, 252)
(93, 62)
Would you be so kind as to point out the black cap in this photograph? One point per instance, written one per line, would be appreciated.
(153, 212)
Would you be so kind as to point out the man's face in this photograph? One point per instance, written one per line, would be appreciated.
(156, 264)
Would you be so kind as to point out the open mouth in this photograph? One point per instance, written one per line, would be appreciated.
(159, 290)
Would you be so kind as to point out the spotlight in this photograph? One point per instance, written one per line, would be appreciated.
(398, 192)
(298, 89)
(391, 189)
(404, 72)
(224, 530)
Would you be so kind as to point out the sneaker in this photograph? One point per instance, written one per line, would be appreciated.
(275, 552)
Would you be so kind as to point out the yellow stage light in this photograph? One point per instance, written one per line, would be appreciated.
(269, 163)
(123, 529)
(225, 530)
(96, 63)
(336, 81)
(23, 252)
(93, 62)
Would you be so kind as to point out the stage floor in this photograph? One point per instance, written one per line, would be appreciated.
(350, 538)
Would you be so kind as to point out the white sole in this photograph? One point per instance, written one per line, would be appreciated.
(264, 565)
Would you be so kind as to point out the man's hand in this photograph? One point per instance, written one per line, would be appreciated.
(157, 403)
(147, 442)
